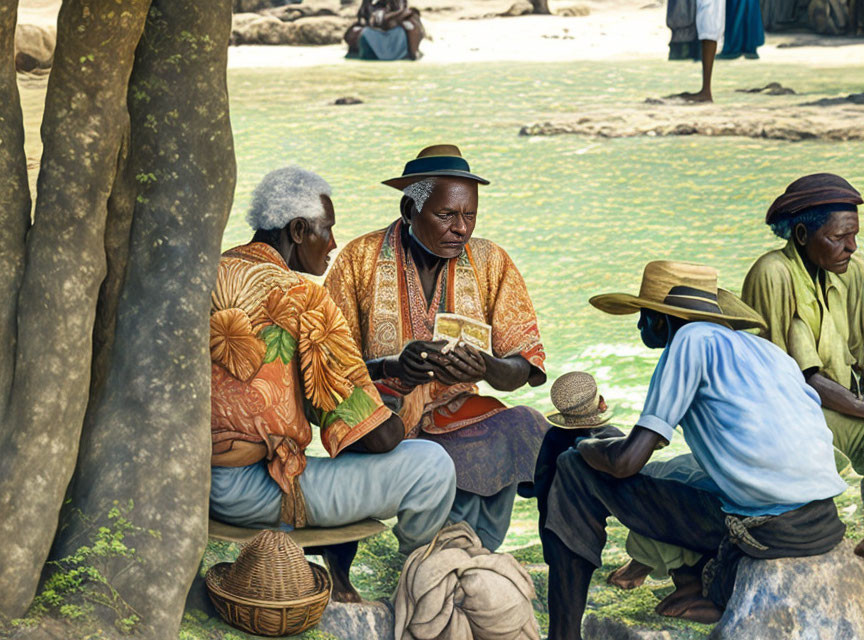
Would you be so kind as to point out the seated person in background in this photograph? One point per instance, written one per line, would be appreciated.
(581, 412)
(283, 356)
(810, 294)
(752, 423)
(391, 283)
(385, 30)
(812, 287)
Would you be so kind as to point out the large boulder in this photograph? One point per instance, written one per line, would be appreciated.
(253, 28)
(34, 47)
(320, 30)
(817, 598)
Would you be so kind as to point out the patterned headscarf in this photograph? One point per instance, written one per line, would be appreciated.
(812, 191)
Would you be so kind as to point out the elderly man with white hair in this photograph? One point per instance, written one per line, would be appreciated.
(283, 356)
(390, 285)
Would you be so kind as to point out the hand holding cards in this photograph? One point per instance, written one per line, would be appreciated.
(454, 329)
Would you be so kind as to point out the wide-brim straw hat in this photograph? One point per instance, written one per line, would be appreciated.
(578, 401)
(435, 161)
(684, 290)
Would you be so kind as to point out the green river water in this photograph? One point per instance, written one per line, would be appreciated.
(578, 215)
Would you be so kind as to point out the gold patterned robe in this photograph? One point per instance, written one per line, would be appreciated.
(375, 284)
(281, 350)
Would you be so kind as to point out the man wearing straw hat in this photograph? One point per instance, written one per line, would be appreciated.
(392, 283)
(809, 293)
(744, 410)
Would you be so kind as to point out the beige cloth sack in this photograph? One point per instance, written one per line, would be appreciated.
(454, 589)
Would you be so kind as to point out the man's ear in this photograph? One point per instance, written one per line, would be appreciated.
(297, 230)
(800, 233)
(407, 209)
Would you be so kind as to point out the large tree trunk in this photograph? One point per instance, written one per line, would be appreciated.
(111, 325)
(14, 199)
(541, 6)
(82, 129)
(149, 436)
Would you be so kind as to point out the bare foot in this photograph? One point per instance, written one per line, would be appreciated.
(859, 550)
(687, 601)
(702, 96)
(630, 576)
(348, 595)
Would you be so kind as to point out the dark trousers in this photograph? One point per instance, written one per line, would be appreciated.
(581, 498)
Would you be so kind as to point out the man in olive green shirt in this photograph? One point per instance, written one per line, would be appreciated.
(810, 295)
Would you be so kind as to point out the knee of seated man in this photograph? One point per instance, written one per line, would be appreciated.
(572, 465)
(433, 462)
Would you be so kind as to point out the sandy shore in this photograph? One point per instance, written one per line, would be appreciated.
(614, 30)
(620, 30)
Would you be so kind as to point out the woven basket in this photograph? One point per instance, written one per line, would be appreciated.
(271, 590)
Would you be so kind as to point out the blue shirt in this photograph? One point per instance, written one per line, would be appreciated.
(752, 422)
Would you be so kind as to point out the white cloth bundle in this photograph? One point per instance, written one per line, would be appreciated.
(454, 589)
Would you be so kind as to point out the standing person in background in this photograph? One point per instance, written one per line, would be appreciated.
(697, 26)
(744, 32)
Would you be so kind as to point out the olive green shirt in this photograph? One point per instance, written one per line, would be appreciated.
(821, 331)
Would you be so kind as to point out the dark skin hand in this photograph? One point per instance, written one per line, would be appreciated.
(835, 396)
(462, 364)
(621, 457)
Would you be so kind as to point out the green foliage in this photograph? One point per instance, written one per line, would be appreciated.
(280, 344)
(377, 566)
(81, 582)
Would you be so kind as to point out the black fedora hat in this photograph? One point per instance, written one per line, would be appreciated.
(437, 160)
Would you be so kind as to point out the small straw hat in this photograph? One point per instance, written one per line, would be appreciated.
(270, 589)
(684, 290)
(579, 403)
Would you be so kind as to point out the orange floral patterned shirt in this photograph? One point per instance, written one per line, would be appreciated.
(374, 283)
(282, 351)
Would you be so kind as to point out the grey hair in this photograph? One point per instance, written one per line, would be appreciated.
(286, 194)
(420, 191)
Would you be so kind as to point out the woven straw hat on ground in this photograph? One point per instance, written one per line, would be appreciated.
(579, 403)
(684, 290)
(271, 589)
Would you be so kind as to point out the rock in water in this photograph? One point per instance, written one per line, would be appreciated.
(817, 598)
(362, 621)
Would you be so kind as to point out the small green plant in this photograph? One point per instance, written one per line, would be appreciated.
(81, 582)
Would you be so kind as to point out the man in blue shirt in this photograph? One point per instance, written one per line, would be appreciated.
(752, 423)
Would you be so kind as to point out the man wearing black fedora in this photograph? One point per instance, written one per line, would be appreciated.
(743, 408)
(392, 283)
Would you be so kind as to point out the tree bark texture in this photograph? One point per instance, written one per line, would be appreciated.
(111, 329)
(64, 267)
(14, 197)
(149, 437)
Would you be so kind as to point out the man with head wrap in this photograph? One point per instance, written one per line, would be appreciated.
(810, 294)
(391, 283)
(283, 357)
